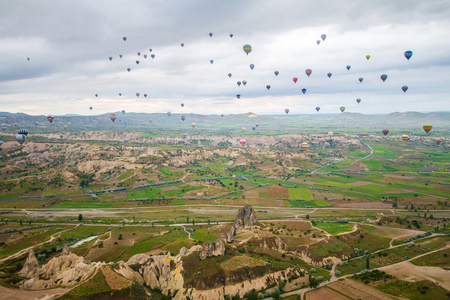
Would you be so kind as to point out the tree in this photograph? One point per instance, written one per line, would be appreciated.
(20, 222)
(187, 219)
(307, 217)
(368, 262)
(80, 217)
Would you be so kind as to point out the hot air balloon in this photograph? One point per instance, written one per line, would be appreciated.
(28, 58)
(303, 91)
(286, 110)
(23, 131)
(137, 62)
(183, 118)
(50, 118)
(182, 104)
(229, 75)
(405, 137)
(318, 42)
(110, 58)
(342, 108)
(247, 48)
(193, 125)
(90, 107)
(145, 56)
(65, 127)
(238, 83)
(150, 50)
(152, 56)
(367, 57)
(125, 123)
(404, 88)
(427, 127)
(408, 54)
(257, 125)
(36, 123)
(20, 138)
(308, 72)
(295, 79)
(124, 38)
(276, 73)
(254, 128)
(360, 79)
(169, 113)
(120, 55)
(330, 133)
(150, 120)
(348, 67)
(222, 115)
(125, 141)
(231, 35)
(244, 82)
(139, 53)
(383, 77)
(145, 95)
(211, 61)
(329, 75)
(438, 141)
(304, 145)
(184, 133)
(113, 116)
(317, 108)
(268, 87)
(182, 44)
(67, 117)
(238, 96)
(252, 66)
(243, 129)
(210, 34)
(96, 95)
(128, 69)
(123, 111)
(385, 132)
(243, 142)
(120, 94)
(137, 94)
(323, 37)
(358, 100)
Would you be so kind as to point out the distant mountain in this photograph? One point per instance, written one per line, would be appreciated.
(4, 113)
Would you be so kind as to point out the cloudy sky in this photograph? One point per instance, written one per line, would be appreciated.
(69, 44)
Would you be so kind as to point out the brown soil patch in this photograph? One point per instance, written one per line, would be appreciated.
(156, 252)
(357, 166)
(433, 168)
(277, 191)
(296, 225)
(372, 204)
(395, 192)
(114, 280)
(400, 176)
(324, 293)
(357, 290)
(271, 203)
(16, 294)
(408, 272)
(169, 188)
(359, 183)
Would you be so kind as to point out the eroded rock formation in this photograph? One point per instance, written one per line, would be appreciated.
(30, 266)
(213, 248)
(245, 217)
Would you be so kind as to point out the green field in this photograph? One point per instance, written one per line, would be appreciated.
(308, 203)
(74, 204)
(334, 228)
(302, 193)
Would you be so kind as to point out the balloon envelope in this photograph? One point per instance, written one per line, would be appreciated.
(169, 113)
(150, 120)
(145, 95)
(123, 111)
(303, 91)
(113, 117)
(238, 83)
(358, 100)
(231, 35)
(318, 42)
(128, 69)
(183, 118)
(323, 37)
(438, 141)
(210, 34)
(408, 54)
(211, 61)
(348, 67)
(276, 73)
(252, 66)
(385, 132)
(427, 127)
(137, 94)
(405, 137)
(229, 75)
(193, 125)
(90, 107)
(342, 108)
(367, 57)
(268, 87)
(317, 108)
(308, 72)
(254, 128)
(152, 56)
(20, 138)
(295, 79)
(247, 48)
(244, 82)
(286, 110)
(304, 146)
(238, 96)
(50, 118)
(404, 88)
(360, 79)
(182, 44)
(383, 77)
(23, 131)
(242, 142)
(182, 104)
(124, 38)
(110, 58)
(329, 75)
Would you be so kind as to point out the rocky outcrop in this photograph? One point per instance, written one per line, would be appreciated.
(245, 217)
(213, 248)
(229, 236)
(271, 243)
(65, 250)
(30, 266)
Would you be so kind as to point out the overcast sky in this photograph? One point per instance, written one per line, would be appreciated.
(69, 44)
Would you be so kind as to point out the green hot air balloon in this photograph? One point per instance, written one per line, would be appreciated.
(247, 48)
(342, 108)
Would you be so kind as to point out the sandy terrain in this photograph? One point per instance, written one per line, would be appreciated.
(13, 294)
(114, 280)
(357, 290)
(371, 204)
(324, 293)
(408, 272)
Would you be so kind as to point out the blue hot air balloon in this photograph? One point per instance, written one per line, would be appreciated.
(125, 141)
(348, 67)
(238, 96)
(268, 87)
(231, 35)
(110, 58)
(120, 94)
(128, 69)
(317, 108)
(408, 54)
(358, 100)
(150, 50)
(303, 91)
(211, 61)
(383, 77)
(276, 73)
(229, 75)
(252, 66)
(323, 37)
(404, 88)
(183, 118)
(96, 95)
(139, 53)
(329, 75)
(210, 34)
(120, 55)
(137, 62)
(238, 83)
(254, 128)
(360, 79)
(152, 56)
(318, 42)
(124, 38)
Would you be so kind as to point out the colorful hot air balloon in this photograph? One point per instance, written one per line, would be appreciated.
(238, 96)
(383, 77)
(110, 58)
(295, 79)
(124, 38)
(137, 94)
(268, 87)
(276, 73)
(303, 91)
(145, 95)
(317, 108)
(183, 118)
(304, 145)
(243, 142)
(23, 131)
(231, 35)
(367, 57)
(427, 127)
(385, 132)
(123, 111)
(348, 67)
(184, 133)
(182, 44)
(360, 79)
(50, 118)
(358, 100)
(145, 56)
(211, 61)
(405, 137)
(342, 108)
(408, 54)
(169, 113)
(286, 110)
(90, 107)
(238, 83)
(113, 116)
(229, 75)
(150, 120)
(20, 138)
(60, 123)
(247, 48)
(329, 75)
(253, 128)
(243, 129)
(182, 104)
(193, 125)
(318, 42)
(67, 117)
(244, 82)
(323, 37)
(252, 66)
(308, 72)
(404, 88)
(210, 34)
(438, 141)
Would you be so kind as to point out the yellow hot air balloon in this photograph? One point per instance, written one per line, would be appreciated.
(304, 146)
(427, 127)
(193, 125)
(243, 129)
(367, 57)
(405, 137)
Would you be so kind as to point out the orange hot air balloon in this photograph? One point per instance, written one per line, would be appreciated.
(193, 125)
(243, 129)
(304, 145)
(405, 137)
(295, 79)
(427, 127)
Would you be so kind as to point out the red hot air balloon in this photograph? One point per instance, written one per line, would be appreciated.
(243, 142)
(150, 120)
(137, 94)
(50, 118)
(145, 95)
(385, 132)
(308, 72)
(295, 79)
(60, 123)
(113, 117)
(286, 110)
(438, 141)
